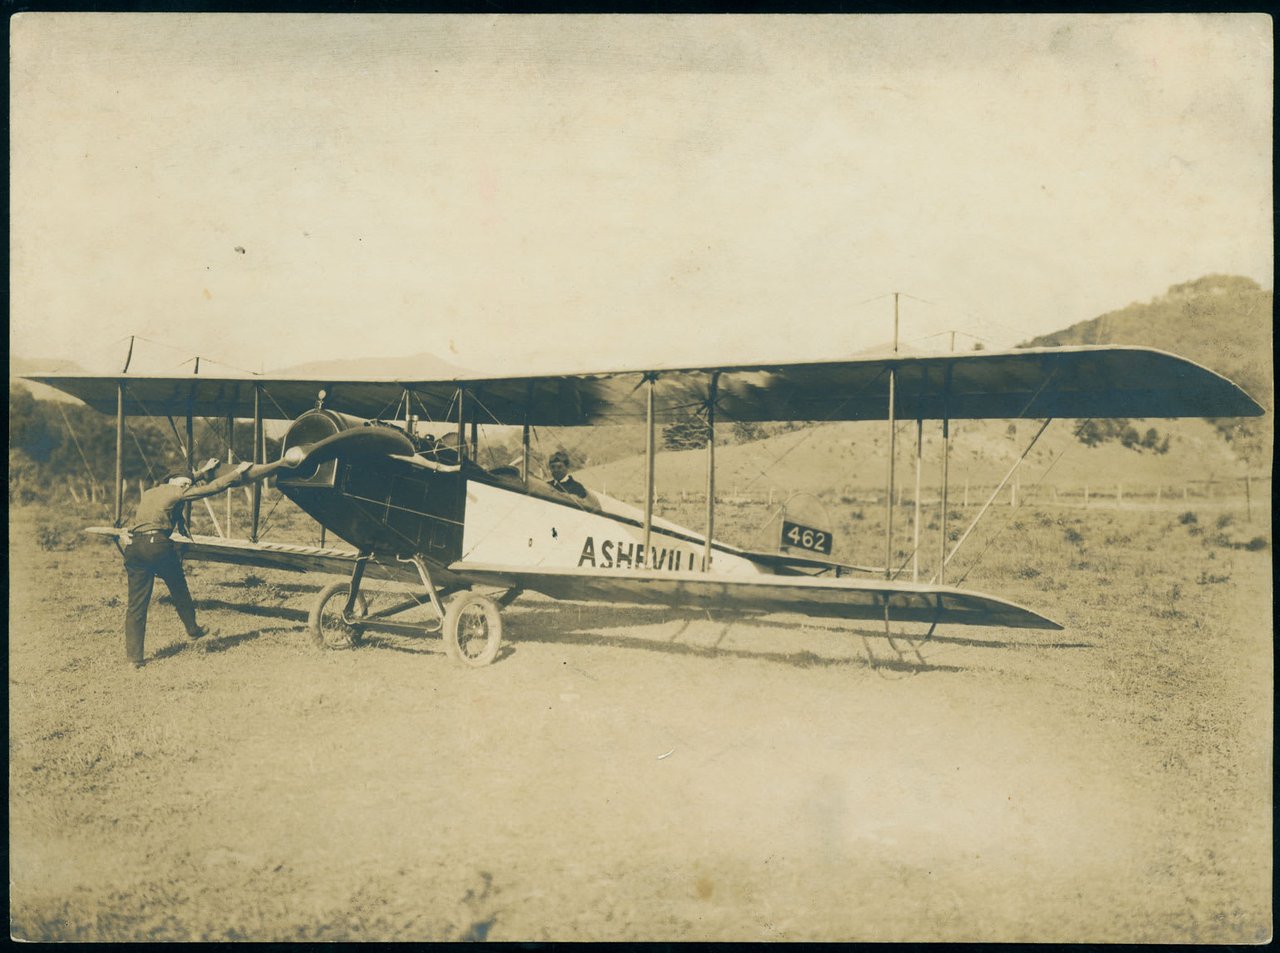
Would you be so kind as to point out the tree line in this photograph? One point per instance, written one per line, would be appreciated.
(54, 445)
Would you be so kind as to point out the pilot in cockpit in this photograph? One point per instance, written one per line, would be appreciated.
(561, 479)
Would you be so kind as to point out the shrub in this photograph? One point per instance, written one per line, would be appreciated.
(1187, 518)
(51, 537)
(1258, 542)
(1072, 536)
(1225, 520)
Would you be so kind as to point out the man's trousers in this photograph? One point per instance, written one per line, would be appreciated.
(147, 556)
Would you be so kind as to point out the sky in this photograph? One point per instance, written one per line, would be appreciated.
(519, 194)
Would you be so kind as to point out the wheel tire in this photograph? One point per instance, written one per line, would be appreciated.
(326, 625)
(472, 629)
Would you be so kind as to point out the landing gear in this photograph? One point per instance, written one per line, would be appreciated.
(335, 621)
(471, 625)
(472, 629)
(331, 625)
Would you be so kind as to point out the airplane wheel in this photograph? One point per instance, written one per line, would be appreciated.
(326, 625)
(472, 629)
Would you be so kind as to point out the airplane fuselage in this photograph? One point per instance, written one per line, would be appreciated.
(405, 504)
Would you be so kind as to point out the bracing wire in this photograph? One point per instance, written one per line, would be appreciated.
(422, 404)
(74, 439)
(142, 453)
(276, 403)
(811, 432)
(148, 413)
(1009, 519)
(188, 350)
(266, 520)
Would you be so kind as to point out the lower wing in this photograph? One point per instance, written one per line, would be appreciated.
(841, 598)
(286, 556)
(825, 597)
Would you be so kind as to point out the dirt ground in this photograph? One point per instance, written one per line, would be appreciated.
(637, 774)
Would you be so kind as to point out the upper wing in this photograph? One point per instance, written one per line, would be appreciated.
(1105, 381)
(835, 598)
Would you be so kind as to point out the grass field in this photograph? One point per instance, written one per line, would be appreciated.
(631, 773)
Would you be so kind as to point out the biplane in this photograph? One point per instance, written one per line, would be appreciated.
(421, 512)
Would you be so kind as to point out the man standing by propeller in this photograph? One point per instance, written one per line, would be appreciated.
(149, 551)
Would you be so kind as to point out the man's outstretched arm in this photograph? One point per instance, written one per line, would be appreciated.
(226, 481)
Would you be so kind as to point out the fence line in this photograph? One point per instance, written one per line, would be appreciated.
(1102, 495)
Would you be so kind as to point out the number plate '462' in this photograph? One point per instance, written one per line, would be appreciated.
(806, 537)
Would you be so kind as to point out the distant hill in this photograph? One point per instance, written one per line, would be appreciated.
(422, 365)
(36, 365)
(41, 365)
(1221, 321)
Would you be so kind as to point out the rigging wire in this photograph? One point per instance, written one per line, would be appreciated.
(79, 449)
(142, 453)
(1009, 519)
(812, 431)
(978, 320)
(493, 457)
(266, 391)
(878, 297)
(393, 403)
(426, 413)
(266, 520)
(189, 350)
(148, 413)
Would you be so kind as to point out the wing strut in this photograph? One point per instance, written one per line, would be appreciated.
(119, 490)
(711, 469)
(524, 439)
(946, 453)
(648, 470)
(462, 427)
(888, 504)
(231, 459)
(915, 548)
(258, 459)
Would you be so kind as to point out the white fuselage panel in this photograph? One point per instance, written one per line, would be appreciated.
(511, 528)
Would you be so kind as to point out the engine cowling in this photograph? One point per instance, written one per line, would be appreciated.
(310, 428)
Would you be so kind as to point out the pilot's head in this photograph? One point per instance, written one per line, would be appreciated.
(559, 465)
(180, 478)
